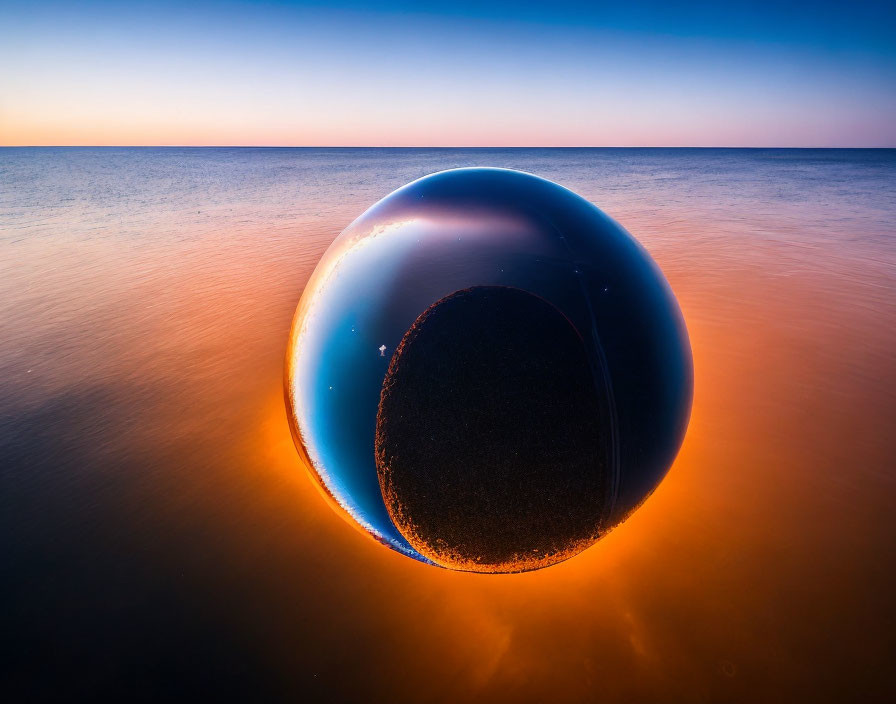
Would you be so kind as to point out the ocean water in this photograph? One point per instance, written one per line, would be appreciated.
(160, 537)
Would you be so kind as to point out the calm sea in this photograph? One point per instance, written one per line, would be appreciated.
(159, 536)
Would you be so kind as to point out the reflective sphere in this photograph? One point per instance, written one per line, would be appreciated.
(485, 372)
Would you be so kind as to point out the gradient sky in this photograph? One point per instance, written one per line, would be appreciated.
(448, 73)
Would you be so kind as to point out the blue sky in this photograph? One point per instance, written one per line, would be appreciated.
(461, 73)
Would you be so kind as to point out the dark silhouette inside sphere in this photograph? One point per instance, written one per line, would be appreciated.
(492, 440)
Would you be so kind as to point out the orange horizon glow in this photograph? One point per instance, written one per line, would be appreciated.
(28, 132)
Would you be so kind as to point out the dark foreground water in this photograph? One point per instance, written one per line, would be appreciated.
(159, 536)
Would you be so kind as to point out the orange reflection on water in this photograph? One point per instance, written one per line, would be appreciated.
(729, 579)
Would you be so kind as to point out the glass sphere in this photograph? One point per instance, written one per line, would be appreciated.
(485, 372)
